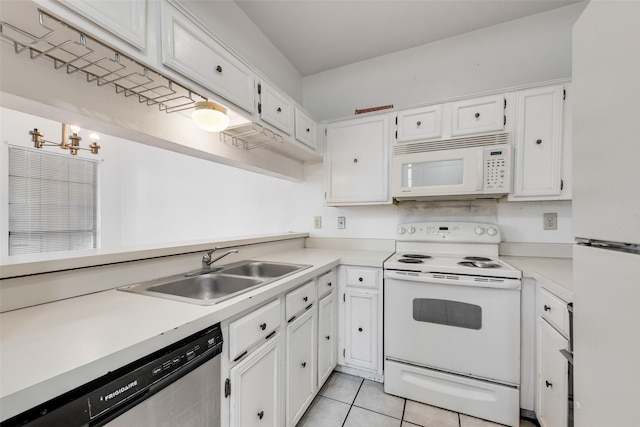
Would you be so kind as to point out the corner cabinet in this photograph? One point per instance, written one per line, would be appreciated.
(542, 145)
(360, 341)
(189, 50)
(357, 161)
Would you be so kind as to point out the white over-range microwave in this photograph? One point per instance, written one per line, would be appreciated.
(472, 167)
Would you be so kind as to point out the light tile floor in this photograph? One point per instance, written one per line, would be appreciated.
(348, 401)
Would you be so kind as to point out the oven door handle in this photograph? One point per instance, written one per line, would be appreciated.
(454, 280)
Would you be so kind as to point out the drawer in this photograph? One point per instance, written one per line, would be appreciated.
(276, 109)
(255, 326)
(362, 277)
(477, 115)
(297, 300)
(553, 310)
(326, 284)
(305, 129)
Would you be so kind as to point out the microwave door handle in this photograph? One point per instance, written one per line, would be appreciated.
(480, 171)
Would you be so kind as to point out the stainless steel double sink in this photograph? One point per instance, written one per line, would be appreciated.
(216, 284)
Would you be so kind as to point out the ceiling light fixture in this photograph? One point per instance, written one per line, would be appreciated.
(210, 116)
(71, 142)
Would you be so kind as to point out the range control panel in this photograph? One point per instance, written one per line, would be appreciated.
(457, 232)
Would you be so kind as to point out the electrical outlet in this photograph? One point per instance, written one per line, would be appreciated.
(342, 222)
(550, 221)
(317, 222)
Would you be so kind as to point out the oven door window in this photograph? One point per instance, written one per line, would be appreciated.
(446, 312)
(433, 174)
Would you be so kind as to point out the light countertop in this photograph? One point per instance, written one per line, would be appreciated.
(52, 348)
(556, 274)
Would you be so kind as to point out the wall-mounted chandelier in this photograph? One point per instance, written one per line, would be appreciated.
(69, 142)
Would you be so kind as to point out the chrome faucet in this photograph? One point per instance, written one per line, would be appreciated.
(207, 260)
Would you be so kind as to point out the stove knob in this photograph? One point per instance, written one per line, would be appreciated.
(411, 230)
(492, 231)
(402, 230)
(479, 230)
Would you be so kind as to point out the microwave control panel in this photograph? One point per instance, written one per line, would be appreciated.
(497, 173)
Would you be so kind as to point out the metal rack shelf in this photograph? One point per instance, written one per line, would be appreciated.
(46, 37)
(250, 136)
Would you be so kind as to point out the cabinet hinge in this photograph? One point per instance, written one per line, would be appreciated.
(259, 108)
(505, 103)
(227, 387)
(259, 88)
(344, 297)
(396, 134)
(325, 132)
(561, 184)
(505, 120)
(396, 120)
(344, 353)
(564, 94)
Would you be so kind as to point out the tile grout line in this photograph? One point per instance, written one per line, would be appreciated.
(352, 402)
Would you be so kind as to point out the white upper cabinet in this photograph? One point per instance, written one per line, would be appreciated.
(188, 49)
(419, 123)
(478, 115)
(539, 170)
(357, 161)
(124, 19)
(306, 129)
(275, 108)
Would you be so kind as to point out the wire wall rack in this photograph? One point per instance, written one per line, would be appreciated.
(250, 136)
(46, 37)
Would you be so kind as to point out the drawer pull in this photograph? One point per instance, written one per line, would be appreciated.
(279, 110)
(418, 123)
(241, 356)
(359, 329)
(305, 299)
(328, 337)
(538, 141)
(547, 308)
(304, 364)
(308, 130)
(360, 279)
(219, 69)
(548, 384)
(477, 115)
(260, 414)
(263, 326)
(329, 284)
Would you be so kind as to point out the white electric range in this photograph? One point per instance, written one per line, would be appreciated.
(452, 320)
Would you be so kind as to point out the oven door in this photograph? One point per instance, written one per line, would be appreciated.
(462, 328)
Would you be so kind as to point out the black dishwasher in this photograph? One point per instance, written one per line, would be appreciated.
(177, 385)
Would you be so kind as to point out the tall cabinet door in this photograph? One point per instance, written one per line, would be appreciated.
(255, 388)
(538, 169)
(357, 161)
(301, 365)
(327, 339)
(361, 337)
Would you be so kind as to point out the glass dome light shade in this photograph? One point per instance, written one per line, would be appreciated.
(210, 116)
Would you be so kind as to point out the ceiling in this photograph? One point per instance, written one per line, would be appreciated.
(318, 35)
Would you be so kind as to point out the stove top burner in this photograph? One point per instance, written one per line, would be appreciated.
(410, 260)
(476, 258)
(479, 264)
(416, 256)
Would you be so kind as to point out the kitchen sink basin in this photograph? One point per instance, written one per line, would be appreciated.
(211, 288)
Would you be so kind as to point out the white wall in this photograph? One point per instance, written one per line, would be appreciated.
(527, 50)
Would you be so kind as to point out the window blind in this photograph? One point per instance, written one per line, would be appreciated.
(52, 202)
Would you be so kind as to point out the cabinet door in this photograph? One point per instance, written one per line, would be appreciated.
(419, 123)
(306, 130)
(551, 396)
(275, 108)
(357, 161)
(477, 115)
(124, 19)
(255, 388)
(301, 365)
(361, 330)
(189, 50)
(327, 340)
(538, 166)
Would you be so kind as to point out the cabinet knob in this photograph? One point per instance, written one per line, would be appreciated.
(548, 384)
(260, 414)
(477, 115)
(538, 141)
(359, 329)
(328, 337)
(355, 160)
(263, 326)
(279, 110)
(418, 123)
(308, 130)
(329, 284)
(219, 69)
(304, 364)
(547, 308)
(360, 279)
(305, 299)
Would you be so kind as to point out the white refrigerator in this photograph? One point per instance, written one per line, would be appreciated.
(606, 215)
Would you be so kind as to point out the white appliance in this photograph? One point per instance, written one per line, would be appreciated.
(452, 320)
(469, 167)
(606, 215)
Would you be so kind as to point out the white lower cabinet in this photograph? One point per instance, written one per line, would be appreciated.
(255, 398)
(360, 340)
(551, 403)
(301, 364)
(327, 339)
